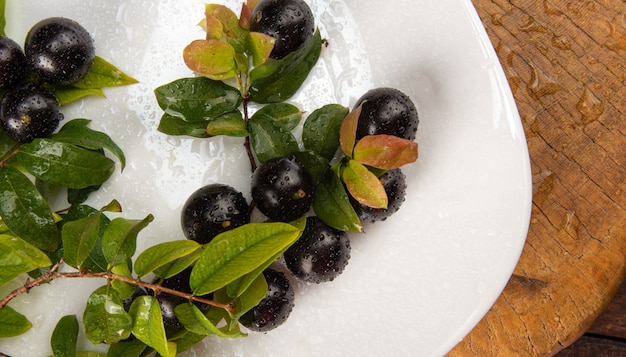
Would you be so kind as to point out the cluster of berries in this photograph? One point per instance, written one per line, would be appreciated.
(57, 51)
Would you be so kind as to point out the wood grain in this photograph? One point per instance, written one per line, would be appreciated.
(565, 64)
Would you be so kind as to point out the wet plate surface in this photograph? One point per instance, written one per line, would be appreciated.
(417, 283)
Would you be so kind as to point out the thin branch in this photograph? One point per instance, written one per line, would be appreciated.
(54, 274)
(246, 143)
(9, 154)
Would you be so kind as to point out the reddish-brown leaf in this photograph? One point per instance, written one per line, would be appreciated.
(347, 132)
(385, 152)
(212, 58)
(245, 16)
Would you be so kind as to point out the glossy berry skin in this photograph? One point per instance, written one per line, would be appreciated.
(211, 210)
(167, 302)
(13, 65)
(387, 111)
(290, 22)
(394, 182)
(275, 307)
(29, 112)
(59, 50)
(320, 254)
(282, 189)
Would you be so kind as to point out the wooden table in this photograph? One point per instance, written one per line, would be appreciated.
(607, 335)
(565, 62)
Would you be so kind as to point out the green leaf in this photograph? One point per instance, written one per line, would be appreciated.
(286, 116)
(12, 323)
(170, 269)
(173, 125)
(277, 81)
(76, 132)
(66, 94)
(241, 285)
(239, 251)
(187, 341)
(252, 296)
(64, 164)
(124, 289)
(76, 196)
(105, 319)
(148, 324)
(194, 320)
(96, 261)
(332, 205)
(197, 99)
(269, 140)
(230, 124)
(260, 45)
(314, 164)
(90, 354)
(25, 211)
(320, 133)
(3, 228)
(7, 145)
(64, 337)
(103, 74)
(128, 348)
(79, 237)
(119, 241)
(3, 20)
(162, 254)
(363, 185)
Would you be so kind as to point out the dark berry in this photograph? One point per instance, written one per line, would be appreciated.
(282, 189)
(394, 182)
(290, 22)
(59, 50)
(168, 302)
(320, 254)
(211, 210)
(29, 112)
(275, 307)
(139, 291)
(387, 111)
(13, 63)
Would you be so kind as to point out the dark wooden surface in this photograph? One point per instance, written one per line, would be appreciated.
(607, 335)
(566, 65)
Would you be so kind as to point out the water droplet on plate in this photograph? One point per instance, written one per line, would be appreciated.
(590, 106)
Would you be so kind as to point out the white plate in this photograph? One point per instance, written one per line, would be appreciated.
(417, 283)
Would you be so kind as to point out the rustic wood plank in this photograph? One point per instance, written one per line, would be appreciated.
(596, 346)
(565, 63)
(612, 322)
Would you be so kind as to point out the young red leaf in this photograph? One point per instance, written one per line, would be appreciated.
(211, 58)
(347, 132)
(245, 16)
(252, 4)
(214, 28)
(363, 185)
(385, 152)
(228, 18)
